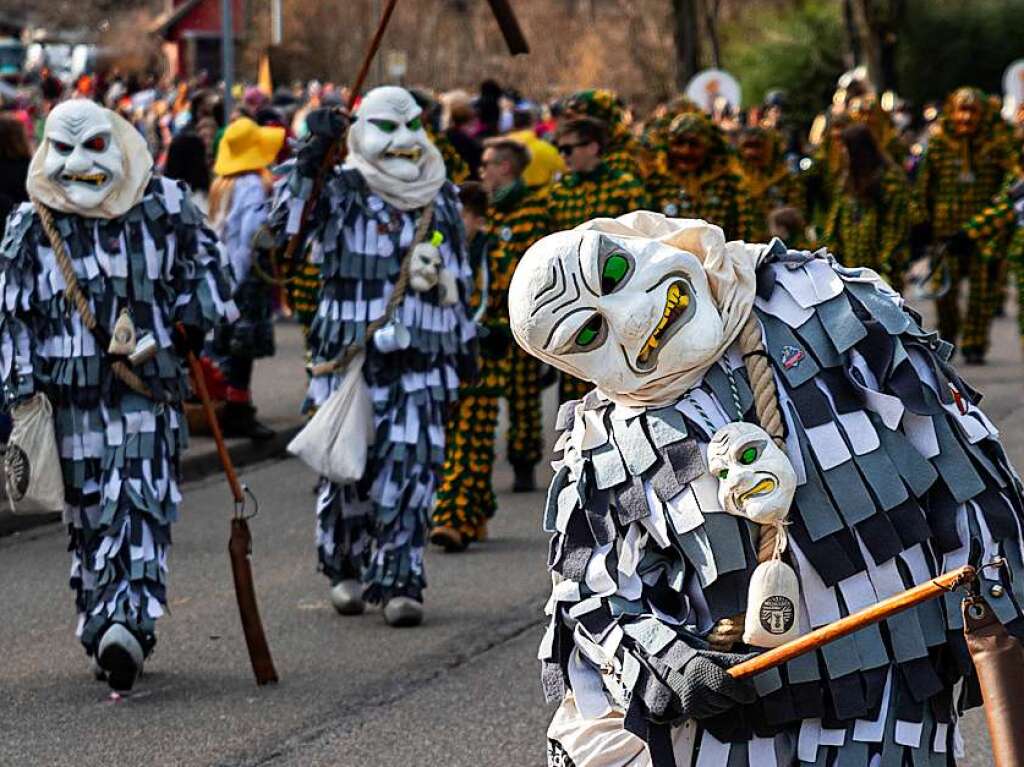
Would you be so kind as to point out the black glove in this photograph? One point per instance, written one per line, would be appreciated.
(326, 129)
(960, 244)
(188, 338)
(920, 238)
(706, 690)
(495, 341)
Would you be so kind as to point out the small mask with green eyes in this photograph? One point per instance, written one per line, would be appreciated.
(755, 477)
(388, 133)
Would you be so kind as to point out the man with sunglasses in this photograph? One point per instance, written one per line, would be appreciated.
(591, 189)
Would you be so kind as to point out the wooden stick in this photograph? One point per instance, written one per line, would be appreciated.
(378, 37)
(866, 617)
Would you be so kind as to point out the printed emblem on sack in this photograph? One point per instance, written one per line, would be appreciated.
(791, 357)
(506, 234)
(18, 472)
(777, 615)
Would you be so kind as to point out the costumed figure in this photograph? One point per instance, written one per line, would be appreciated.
(962, 169)
(96, 274)
(517, 217)
(770, 433)
(697, 178)
(591, 189)
(869, 224)
(239, 205)
(387, 221)
(821, 172)
(623, 150)
(997, 232)
(770, 182)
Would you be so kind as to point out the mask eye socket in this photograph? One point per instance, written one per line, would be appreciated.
(591, 333)
(61, 147)
(615, 269)
(749, 455)
(723, 473)
(96, 144)
(385, 126)
(414, 124)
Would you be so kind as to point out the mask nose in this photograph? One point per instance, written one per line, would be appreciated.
(631, 320)
(78, 161)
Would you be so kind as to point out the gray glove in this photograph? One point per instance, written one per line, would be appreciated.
(705, 689)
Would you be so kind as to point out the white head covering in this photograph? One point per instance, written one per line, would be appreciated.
(137, 163)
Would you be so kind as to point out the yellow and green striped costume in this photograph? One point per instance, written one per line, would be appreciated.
(717, 195)
(956, 180)
(517, 218)
(999, 230)
(605, 192)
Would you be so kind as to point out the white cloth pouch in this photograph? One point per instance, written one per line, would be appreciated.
(772, 603)
(33, 476)
(334, 443)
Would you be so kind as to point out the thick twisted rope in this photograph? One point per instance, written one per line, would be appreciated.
(729, 631)
(397, 294)
(74, 292)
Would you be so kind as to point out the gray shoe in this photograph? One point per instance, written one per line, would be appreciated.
(347, 597)
(120, 656)
(403, 611)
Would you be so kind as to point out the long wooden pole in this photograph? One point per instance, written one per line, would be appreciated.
(239, 544)
(869, 615)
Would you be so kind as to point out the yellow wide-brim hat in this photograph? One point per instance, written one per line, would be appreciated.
(245, 146)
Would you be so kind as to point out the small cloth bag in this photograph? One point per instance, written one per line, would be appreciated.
(334, 443)
(34, 480)
(773, 601)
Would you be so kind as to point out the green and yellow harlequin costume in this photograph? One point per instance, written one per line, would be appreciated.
(999, 230)
(605, 192)
(770, 185)
(518, 217)
(623, 153)
(715, 193)
(957, 179)
(873, 232)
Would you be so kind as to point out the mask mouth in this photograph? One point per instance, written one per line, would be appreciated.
(412, 153)
(95, 180)
(679, 308)
(762, 487)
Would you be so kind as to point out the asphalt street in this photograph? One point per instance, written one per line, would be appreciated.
(462, 690)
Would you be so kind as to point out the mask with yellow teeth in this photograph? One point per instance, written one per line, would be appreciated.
(618, 311)
(755, 477)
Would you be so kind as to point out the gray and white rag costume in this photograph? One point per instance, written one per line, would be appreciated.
(900, 477)
(136, 244)
(375, 530)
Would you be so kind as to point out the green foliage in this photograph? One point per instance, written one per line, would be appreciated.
(798, 49)
(944, 45)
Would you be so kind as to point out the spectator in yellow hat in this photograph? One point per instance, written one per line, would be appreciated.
(239, 201)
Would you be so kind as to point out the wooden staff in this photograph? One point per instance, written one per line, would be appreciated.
(240, 543)
(937, 586)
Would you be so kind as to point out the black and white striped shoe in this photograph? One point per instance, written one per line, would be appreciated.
(120, 655)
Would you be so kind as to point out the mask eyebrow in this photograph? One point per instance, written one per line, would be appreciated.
(561, 291)
(572, 300)
(583, 272)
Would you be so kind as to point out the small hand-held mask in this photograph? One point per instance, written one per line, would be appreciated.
(424, 265)
(755, 478)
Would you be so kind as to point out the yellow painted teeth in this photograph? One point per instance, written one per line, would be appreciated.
(673, 300)
(764, 486)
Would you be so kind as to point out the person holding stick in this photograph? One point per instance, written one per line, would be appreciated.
(387, 235)
(774, 444)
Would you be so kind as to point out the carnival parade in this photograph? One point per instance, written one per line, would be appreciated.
(580, 384)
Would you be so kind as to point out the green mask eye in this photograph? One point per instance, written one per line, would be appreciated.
(414, 124)
(748, 456)
(386, 126)
(723, 474)
(615, 269)
(590, 332)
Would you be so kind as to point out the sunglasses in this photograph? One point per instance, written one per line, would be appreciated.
(568, 149)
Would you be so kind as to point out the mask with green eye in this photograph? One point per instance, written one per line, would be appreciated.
(388, 133)
(618, 311)
(755, 477)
